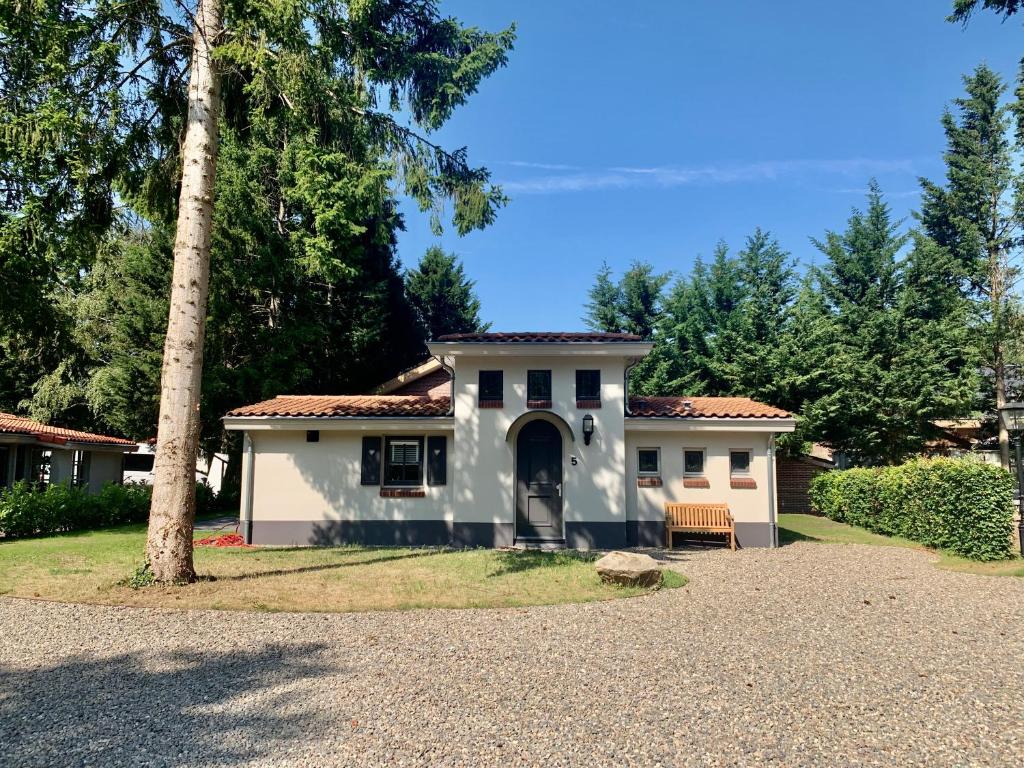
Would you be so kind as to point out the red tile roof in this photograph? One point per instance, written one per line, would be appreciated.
(534, 337)
(433, 385)
(18, 425)
(346, 405)
(704, 407)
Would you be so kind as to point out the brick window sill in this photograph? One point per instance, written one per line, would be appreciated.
(402, 493)
(648, 482)
(696, 482)
(492, 404)
(538, 403)
(742, 482)
(591, 404)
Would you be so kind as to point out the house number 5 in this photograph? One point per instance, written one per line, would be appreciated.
(573, 460)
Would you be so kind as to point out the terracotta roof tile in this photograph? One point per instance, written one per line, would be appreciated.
(703, 407)
(346, 405)
(18, 425)
(433, 385)
(538, 337)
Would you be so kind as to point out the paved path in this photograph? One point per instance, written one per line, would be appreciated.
(809, 655)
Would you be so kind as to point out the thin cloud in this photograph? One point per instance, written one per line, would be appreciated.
(861, 191)
(620, 177)
(539, 166)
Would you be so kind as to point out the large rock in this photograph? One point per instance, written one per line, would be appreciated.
(629, 569)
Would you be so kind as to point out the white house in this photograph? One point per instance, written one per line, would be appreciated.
(40, 453)
(502, 439)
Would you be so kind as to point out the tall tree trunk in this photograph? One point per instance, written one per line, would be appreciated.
(172, 513)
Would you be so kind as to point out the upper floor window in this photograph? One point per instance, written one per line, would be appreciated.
(538, 388)
(588, 385)
(491, 387)
(403, 461)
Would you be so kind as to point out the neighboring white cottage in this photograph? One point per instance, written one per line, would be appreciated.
(41, 454)
(505, 438)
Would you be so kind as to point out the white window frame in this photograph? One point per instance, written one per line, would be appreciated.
(642, 473)
(703, 462)
(750, 461)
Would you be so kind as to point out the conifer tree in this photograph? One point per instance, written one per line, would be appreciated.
(443, 296)
(605, 303)
(978, 217)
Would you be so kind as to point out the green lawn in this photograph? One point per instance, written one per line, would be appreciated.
(811, 528)
(86, 567)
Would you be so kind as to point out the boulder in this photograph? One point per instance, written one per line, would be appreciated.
(629, 569)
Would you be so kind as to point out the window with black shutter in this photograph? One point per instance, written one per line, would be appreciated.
(370, 474)
(437, 460)
(491, 387)
(403, 461)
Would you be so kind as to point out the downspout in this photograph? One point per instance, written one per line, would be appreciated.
(625, 384)
(248, 469)
(771, 491)
(451, 384)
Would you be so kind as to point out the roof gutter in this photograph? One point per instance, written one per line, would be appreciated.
(451, 384)
(625, 383)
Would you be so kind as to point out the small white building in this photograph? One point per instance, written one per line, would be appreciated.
(40, 453)
(138, 467)
(502, 439)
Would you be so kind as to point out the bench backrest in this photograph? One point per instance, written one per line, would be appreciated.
(697, 515)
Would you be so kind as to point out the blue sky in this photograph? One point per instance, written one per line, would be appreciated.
(652, 130)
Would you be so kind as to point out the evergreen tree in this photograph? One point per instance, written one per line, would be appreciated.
(443, 296)
(890, 347)
(604, 309)
(319, 94)
(767, 285)
(639, 296)
(978, 217)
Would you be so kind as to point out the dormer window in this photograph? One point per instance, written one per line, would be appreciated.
(491, 389)
(538, 389)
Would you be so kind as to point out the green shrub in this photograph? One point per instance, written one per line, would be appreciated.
(959, 505)
(27, 511)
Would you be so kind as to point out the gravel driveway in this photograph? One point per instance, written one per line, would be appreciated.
(809, 655)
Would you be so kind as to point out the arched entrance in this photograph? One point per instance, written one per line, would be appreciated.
(539, 482)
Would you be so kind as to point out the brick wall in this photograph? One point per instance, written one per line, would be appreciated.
(794, 478)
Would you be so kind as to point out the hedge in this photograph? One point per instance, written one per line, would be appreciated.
(28, 511)
(959, 505)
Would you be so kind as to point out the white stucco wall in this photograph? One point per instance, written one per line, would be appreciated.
(746, 505)
(299, 481)
(105, 467)
(593, 489)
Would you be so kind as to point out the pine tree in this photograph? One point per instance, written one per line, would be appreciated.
(443, 296)
(978, 217)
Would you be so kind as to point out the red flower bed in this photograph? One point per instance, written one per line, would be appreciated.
(224, 540)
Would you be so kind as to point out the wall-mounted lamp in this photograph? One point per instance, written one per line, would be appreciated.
(588, 428)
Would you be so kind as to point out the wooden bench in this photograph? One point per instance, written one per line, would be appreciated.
(699, 518)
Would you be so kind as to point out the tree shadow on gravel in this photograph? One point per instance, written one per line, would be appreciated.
(121, 711)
